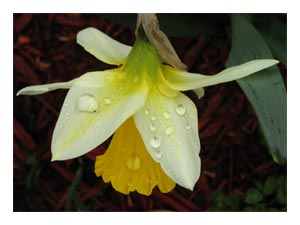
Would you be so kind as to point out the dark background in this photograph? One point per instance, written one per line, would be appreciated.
(238, 173)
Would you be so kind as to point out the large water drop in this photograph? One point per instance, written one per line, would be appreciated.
(180, 109)
(133, 162)
(87, 103)
(155, 142)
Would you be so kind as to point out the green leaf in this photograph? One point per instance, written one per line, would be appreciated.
(282, 182)
(218, 200)
(265, 89)
(79, 204)
(281, 195)
(270, 185)
(232, 202)
(72, 190)
(259, 207)
(253, 196)
(274, 31)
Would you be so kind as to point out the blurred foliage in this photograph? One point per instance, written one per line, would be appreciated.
(34, 174)
(72, 196)
(270, 196)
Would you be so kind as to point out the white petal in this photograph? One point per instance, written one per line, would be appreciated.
(199, 92)
(41, 89)
(102, 46)
(181, 80)
(96, 105)
(169, 128)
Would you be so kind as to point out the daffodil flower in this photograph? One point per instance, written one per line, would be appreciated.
(156, 141)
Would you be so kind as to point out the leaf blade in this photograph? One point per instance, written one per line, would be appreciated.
(263, 87)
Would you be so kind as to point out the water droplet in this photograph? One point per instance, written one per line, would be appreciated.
(152, 126)
(152, 117)
(188, 126)
(67, 113)
(169, 130)
(147, 111)
(157, 154)
(107, 101)
(133, 162)
(66, 104)
(167, 115)
(180, 109)
(87, 103)
(155, 142)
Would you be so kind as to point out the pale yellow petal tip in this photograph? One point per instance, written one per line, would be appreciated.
(24, 91)
(33, 90)
(83, 32)
(54, 158)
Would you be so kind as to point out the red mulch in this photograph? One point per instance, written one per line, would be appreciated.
(232, 150)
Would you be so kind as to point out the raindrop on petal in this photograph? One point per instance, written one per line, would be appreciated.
(188, 126)
(152, 117)
(167, 115)
(146, 111)
(87, 103)
(157, 154)
(180, 109)
(169, 130)
(152, 126)
(107, 101)
(155, 142)
(133, 162)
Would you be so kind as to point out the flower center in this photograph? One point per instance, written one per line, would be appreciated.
(143, 62)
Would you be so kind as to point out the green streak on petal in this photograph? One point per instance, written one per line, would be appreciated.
(143, 62)
(82, 127)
